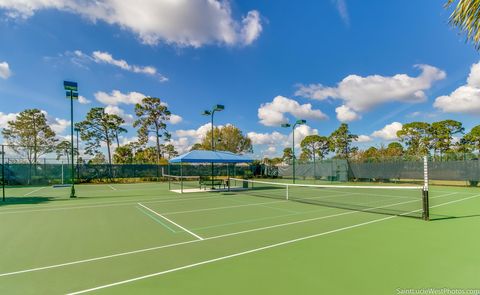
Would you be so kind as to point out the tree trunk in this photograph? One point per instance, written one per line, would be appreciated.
(34, 140)
(158, 143)
(116, 136)
(107, 139)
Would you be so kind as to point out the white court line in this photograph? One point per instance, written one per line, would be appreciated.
(172, 222)
(113, 189)
(224, 207)
(105, 204)
(195, 241)
(253, 250)
(34, 191)
(232, 255)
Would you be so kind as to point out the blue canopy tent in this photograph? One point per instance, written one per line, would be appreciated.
(214, 157)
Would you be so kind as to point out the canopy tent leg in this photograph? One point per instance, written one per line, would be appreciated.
(181, 177)
(228, 177)
(212, 177)
(169, 179)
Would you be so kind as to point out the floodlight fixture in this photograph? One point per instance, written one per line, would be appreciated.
(218, 108)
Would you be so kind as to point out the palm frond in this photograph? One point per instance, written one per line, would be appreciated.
(466, 17)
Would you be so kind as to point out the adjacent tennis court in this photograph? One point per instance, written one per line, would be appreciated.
(143, 238)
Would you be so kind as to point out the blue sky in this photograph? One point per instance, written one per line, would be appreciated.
(374, 65)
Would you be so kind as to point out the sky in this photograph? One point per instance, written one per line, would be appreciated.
(372, 64)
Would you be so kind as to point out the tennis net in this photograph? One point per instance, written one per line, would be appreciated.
(176, 182)
(391, 200)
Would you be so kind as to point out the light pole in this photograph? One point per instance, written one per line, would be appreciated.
(216, 108)
(72, 93)
(286, 125)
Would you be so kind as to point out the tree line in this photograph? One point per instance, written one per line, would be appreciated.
(31, 136)
(444, 139)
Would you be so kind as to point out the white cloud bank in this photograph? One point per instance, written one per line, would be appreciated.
(4, 118)
(80, 59)
(179, 22)
(273, 113)
(273, 138)
(272, 144)
(115, 98)
(361, 94)
(466, 98)
(389, 132)
(341, 6)
(345, 114)
(83, 100)
(5, 71)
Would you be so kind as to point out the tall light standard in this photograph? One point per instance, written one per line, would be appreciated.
(286, 125)
(72, 93)
(216, 108)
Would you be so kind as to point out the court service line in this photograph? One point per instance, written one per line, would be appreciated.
(232, 255)
(251, 251)
(224, 207)
(103, 204)
(34, 191)
(172, 222)
(197, 240)
(156, 219)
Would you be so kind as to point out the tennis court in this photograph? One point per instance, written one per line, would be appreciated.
(143, 238)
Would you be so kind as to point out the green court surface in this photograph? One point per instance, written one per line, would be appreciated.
(144, 239)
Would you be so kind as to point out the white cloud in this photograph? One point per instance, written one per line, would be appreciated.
(83, 100)
(115, 110)
(300, 133)
(364, 93)
(464, 99)
(341, 6)
(183, 23)
(273, 113)
(58, 125)
(364, 138)
(4, 118)
(181, 144)
(414, 114)
(252, 27)
(116, 97)
(389, 132)
(345, 114)
(196, 134)
(5, 71)
(105, 57)
(175, 119)
(183, 139)
(273, 138)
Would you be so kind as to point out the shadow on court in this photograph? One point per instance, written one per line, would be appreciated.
(24, 201)
(453, 217)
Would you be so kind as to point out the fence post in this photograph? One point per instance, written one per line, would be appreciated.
(3, 173)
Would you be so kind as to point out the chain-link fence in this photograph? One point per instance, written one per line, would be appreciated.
(466, 172)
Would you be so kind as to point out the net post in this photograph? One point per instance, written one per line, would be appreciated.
(287, 191)
(425, 199)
